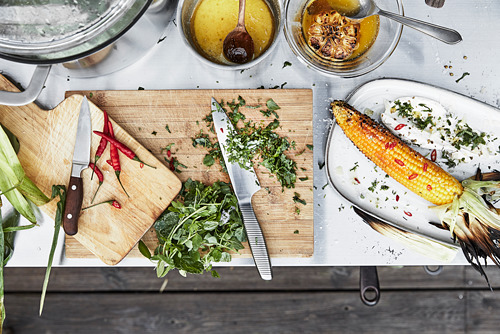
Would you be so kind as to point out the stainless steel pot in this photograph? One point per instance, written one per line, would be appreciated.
(84, 37)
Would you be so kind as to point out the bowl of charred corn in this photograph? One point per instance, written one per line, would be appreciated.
(324, 39)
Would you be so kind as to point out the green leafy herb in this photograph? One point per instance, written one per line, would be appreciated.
(201, 227)
(154, 133)
(286, 63)
(297, 199)
(252, 142)
(296, 232)
(309, 146)
(167, 148)
(463, 76)
(168, 128)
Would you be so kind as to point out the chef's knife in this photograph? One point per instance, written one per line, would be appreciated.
(245, 184)
(81, 160)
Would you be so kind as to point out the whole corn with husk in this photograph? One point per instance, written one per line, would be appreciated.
(462, 207)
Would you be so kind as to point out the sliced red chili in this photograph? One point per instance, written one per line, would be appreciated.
(433, 155)
(429, 187)
(399, 162)
(408, 213)
(112, 202)
(412, 176)
(392, 145)
(222, 130)
(397, 198)
(387, 145)
(399, 127)
(356, 179)
(425, 167)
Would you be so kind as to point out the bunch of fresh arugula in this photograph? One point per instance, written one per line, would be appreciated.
(199, 228)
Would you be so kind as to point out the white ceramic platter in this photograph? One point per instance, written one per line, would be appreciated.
(369, 188)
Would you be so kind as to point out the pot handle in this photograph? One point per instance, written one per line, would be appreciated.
(31, 92)
(369, 286)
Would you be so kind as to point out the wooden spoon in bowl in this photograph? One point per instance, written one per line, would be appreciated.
(238, 45)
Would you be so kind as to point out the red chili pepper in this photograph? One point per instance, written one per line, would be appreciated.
(433, 155)
(397, 198)
(123, 148)
(429, 187)
(399, 127)
(399, 162)
(103, 143)
(392, 145)
(115, 158)
(109, 163)
(412, 176)
(356, 179)
(112, 202)
(100, 176)
(408, 213)
(425, 167)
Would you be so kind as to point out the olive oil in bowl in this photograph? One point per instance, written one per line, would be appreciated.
(213, 19)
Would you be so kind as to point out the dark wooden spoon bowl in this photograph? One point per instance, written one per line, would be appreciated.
(238, 45)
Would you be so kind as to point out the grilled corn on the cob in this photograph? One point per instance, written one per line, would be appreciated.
(463, 208)
(397, 159)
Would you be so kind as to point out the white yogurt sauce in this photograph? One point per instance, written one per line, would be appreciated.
(427, 124)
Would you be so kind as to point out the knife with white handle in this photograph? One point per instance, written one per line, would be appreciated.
(245, 184)
(81, 160)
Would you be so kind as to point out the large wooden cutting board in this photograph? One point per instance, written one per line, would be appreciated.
(146, 113)
(47, 140)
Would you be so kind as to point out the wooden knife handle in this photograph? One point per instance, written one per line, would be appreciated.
(74, 199)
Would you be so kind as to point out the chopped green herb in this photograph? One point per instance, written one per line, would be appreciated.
(309, 146)
(355, 167)
(167, 148)
(168, 128)
(154, 133)
(286, 63)
(296, 232)
(297, 199)
(304, 178)
(463, 76)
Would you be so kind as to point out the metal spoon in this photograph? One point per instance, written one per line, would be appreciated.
(238, 45)
(369, 8)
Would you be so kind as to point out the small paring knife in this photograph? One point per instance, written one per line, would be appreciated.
(245, 184)
(81, 160)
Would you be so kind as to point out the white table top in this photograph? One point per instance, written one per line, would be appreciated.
(341, 238)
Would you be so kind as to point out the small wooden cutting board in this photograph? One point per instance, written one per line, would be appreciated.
(157, 118)
(47, 141)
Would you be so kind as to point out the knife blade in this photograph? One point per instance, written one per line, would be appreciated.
(81, 160)
(245, 184)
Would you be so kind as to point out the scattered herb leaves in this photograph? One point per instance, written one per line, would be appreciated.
(297, 199)
(200, 227)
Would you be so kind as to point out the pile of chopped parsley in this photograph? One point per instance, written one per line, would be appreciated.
(253, 142)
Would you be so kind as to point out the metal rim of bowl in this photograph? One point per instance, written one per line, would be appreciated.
(291, 42)
(230, 67)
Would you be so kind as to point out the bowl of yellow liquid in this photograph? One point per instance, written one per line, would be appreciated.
(204, 24)
(323, 38)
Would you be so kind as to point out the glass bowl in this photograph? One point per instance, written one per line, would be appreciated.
(387, 39)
